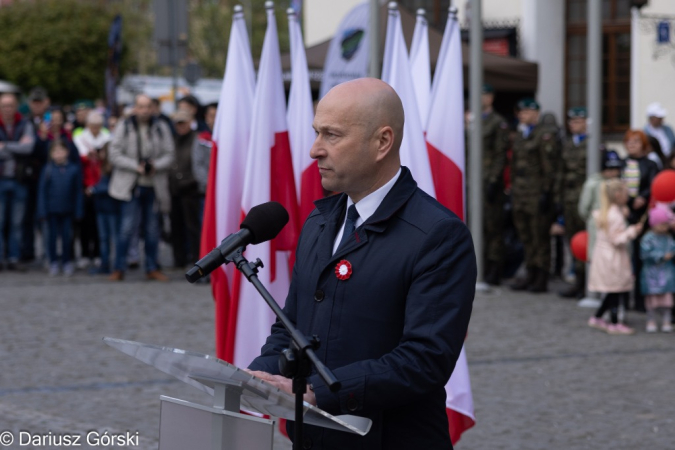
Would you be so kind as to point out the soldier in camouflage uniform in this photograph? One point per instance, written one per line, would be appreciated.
(535, 154)
(495, 145)
(572, 176)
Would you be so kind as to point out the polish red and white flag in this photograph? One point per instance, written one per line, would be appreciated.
(396, 73)
(445, 144)
(222, 206)
(268, 176)
(300, 115)
(445, 125)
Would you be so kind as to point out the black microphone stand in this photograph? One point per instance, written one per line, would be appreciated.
(295, 362)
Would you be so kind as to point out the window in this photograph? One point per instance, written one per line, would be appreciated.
(615, 61)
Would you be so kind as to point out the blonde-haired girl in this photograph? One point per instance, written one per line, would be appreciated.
(611, 271)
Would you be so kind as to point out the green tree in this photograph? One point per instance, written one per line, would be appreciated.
(209, 29)
(62, 45)
(210, 23)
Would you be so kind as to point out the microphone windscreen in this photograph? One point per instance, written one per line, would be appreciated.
(265, 221)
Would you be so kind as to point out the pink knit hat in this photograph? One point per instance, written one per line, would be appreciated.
(659, 214)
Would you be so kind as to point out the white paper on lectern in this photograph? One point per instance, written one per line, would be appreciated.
(257, 395)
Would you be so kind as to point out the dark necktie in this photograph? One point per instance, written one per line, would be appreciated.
(350, 225)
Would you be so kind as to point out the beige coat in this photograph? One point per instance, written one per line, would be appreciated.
(123, 155)
(611, 269)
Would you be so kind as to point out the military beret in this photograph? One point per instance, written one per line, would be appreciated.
(528, 103)
(578, 112)
(488, 89)
(83, 104)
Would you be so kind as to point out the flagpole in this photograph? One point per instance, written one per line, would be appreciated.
(476, 150)
(173, 50)
(374, 41)
(594, 86)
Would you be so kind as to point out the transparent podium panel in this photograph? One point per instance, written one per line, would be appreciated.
(210, 374)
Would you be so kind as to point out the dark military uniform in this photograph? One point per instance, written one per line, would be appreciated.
(571, 179)
(533, 183)
(495, 145)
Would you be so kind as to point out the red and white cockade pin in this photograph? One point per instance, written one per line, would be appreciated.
(343, 270)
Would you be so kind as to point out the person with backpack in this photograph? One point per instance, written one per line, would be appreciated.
(141, 153)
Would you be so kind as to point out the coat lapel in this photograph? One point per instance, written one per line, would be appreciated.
(332, 210)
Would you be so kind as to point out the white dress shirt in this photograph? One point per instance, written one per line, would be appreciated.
(366, 207)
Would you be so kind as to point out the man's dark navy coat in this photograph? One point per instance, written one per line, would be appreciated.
(392, 331)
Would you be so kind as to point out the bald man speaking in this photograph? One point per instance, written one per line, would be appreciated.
(384, 276)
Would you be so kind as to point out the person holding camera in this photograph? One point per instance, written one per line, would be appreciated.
(141, 153)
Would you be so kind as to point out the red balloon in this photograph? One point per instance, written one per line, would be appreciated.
(663, 186)
(579, 245)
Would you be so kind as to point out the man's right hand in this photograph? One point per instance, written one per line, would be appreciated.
(284, 384)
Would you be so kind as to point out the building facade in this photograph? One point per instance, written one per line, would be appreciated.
(638, 49)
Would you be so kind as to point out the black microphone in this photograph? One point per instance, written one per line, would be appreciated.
(262, 223)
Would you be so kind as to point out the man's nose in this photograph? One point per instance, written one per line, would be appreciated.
(317, 150)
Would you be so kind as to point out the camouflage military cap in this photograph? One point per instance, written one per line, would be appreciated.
(488, 89)
(578, 112)
(528, 103)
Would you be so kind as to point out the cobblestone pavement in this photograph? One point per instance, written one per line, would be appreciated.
(541, 378)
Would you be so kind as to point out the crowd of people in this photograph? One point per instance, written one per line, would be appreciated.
(550, 196)
(107, 182)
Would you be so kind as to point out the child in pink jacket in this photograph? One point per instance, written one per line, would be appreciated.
(611, 272)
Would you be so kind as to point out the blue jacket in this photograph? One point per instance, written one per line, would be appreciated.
(657, 276)
(391, 332)
(60, 190)
(42, 149)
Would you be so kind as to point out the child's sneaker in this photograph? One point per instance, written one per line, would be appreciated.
(68, 269)
(619, 328)
(667, 327)
(53, 269)
(597, 322)
(651, 327)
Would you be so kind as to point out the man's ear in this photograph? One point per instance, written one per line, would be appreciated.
(385, 141)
